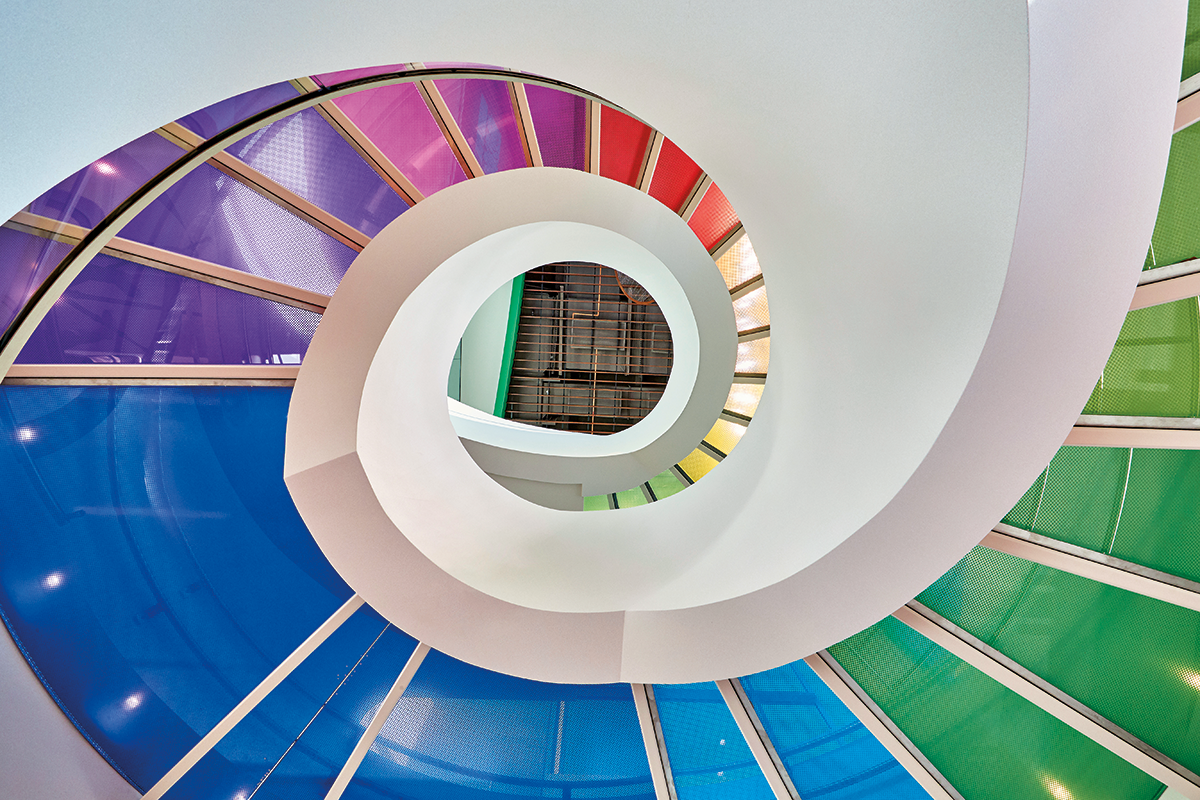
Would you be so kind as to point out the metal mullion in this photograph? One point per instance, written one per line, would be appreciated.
(756, 737)
(1167, 271)
(1187, 111)
(248, 704)
(746, 287)
(378, 720)
(653, 741)
(450, 129)
(712, 451)
(1139, 437)
(734, 417)
(1099, 567)
(270, 189)
(650, 162)
(727, 241)
(1166, 290)
(1049, 698)
(525, 126)
(137, 374)
(881, 726)
(696, 196)
(593, 137)
(753, 334)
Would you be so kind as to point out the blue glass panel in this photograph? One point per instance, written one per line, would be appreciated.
(709, 758)
(210, 216)
(464, 732)
(170, 571)
(825, 749)
(89, 195)
(25, 261)
(309, 157)
(210, 121)
(284, 747)
(118, 312)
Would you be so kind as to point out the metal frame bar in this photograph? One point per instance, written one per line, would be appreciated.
(346, 774)
(157, 374)
(652, 739)
(694, 199)
(683, 477)
(750, 377)
(167, 261)
(525, 126)
(450, 129)
(881, 726)
(712, 451)
(728, 242)
(1187, 112)
(1166, 290)
(1049, 698)
(1114, 421)
(648, 493)
(752, 334)
(270, 189)
(650, 162)
(593, 137)
(734, 417)
(746, 287)
(248, 703)
(1133, 436)
(1189, 86)
(756, 737)
(1099, 567)
(1167, 271)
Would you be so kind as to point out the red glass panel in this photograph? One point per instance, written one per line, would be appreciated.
(714, 218)
(674, 176)
(623, 142)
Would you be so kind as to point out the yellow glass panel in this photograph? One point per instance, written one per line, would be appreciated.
(698, 464)
(743, 398)
(753, 356)
(725, 435)
(739, 264)
(751, 310)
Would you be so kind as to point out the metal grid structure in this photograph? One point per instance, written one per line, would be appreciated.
(587, 357)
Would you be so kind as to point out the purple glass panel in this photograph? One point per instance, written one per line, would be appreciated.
(210, 216)
(330, 78)
(397, 120)
(560, 119)
(208, 122)
(309, 157)
(484, 112)
(89, 195)
(119, 312)
(25, 261)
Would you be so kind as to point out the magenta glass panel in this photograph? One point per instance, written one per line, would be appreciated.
(208, 122)
(309, 157)
(560, 119)
(25, 261)
(116, 312)
(342, 76)
(483, 110)
(397, 120)
(210, 216)
(89, 195)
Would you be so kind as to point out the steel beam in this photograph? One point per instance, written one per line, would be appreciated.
(242, 709)
(693, 201)
(650, 162)
(1049, 698)
(525, 126)
(728, 242)
(881, 726)
(151, 374)
(756, 737)
(1108, 436)
(1165, 291)
(593, 137)
(652, 739)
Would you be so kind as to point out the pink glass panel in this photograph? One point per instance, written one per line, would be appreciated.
(560, 119)
(483, 110)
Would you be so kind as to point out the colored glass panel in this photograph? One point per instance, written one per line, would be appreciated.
(739, 264)
(306, 155)
(484, 112)
(697, 464)
(824, 748)
(753, 357)
(210, 216)
(709, 758)
(464, 732)
(1191, 43)
(675, 176)
(1087, 639)
(397, 120)
(119, 312)
(170, 572)
(751, 311)
(1175, 236)
(713, 219)
(347, 75)
(665, 484)
(560, 119)
(25, 262)
(90, 194)
(725, 435)
(210, 121)
(744, 398)
(596, 502)
(623, 144)
(989, 742)
(631, 498)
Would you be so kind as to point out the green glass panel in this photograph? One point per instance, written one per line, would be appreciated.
(1191, 45)
(665, 484)
(597, 502)
(1160, 523)
(1024, 513)
(1131, 659)
(1083, 496)
(1176, 237)
(631, 497)
(990, 743)
(1153, 369)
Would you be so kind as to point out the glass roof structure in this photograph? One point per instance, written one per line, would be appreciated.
(159, 581)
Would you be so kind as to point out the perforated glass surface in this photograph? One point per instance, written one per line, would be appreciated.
(665, 484)
(697, 464)
(713, 218)
(753, 356)
(751, 311)
(725, 435)
(560, 120)
(623, 144)
(675, 176)
(824, 748)
(170, 571)
(25, 261)
(484, 112)
(210, 121)
(120, 312)
(631, 498)
(1175, 236)
(464, 732)
(990, 743)
(210, 216)
(709, 758)
(744, 398)
(343, 76)
(739, 264)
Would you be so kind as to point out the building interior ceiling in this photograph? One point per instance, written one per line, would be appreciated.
(178, 632)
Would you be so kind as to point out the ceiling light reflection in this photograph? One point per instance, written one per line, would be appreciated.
(132, 701)
(105, 168)
(1056, 788)
(53, 580)
(25, 433)
(1190, 677)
